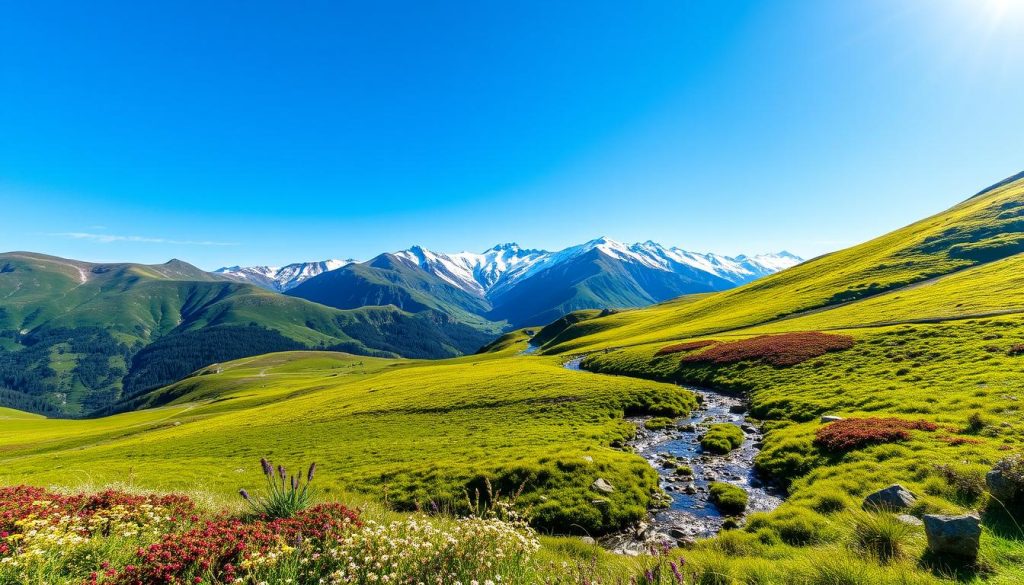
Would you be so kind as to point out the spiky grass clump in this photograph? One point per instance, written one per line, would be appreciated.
(286, 495)
(881, 535)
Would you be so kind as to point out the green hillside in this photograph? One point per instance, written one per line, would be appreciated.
(389, 280)
(982, 229)
(923, 327)
(419, 431)
(78, 337)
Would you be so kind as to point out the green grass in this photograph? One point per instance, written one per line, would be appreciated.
(410, 433)
(934, 310)
(729, 499)
(722, 438)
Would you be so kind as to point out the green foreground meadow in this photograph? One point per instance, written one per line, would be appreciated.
(921, 330)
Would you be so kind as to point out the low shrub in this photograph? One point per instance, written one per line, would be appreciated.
(852, 433)
(957, 441)
(1017, 349)
(881, 535)
(786, 349)
(687, 346)
(966, 485)
(722, 438)
(730, 499)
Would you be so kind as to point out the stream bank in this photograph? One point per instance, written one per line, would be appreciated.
(691, 514)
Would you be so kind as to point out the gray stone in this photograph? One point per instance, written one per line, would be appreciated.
(1004, 483)
(830, 418)
(600, 502)
(602, 485)
(894, 497)
(911, 520)
(588, 540)
(957, 536)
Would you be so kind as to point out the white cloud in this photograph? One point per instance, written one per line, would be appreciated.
(110, 238)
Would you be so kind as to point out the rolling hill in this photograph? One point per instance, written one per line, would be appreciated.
(77, 337)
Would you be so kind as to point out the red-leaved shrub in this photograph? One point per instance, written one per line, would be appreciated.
(961, 441)
(686, 346)
(220, 547)
(851, 433)
(785, 349)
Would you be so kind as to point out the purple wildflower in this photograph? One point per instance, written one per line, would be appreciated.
(244, 494)
(312, 470)
(675, 572)
(268, 468)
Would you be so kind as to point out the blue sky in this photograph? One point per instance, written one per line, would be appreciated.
(268, 132)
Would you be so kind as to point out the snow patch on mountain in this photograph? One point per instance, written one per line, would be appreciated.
(498, 269)
(501, 267)
(281, 278)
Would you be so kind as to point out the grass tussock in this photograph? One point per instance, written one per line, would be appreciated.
(730, 499)
(721, 438)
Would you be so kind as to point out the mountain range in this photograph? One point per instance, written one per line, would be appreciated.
(515, 285)
(78, 337)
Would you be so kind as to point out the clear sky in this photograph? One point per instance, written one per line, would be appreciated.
(269, 132)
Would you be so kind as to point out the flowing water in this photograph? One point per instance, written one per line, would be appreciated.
(691, 513)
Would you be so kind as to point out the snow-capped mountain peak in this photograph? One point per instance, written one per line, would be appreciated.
(281, 278)
(501, 267)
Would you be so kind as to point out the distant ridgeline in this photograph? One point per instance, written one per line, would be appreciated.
(78, 338)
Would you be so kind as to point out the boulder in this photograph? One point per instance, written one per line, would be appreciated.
(1006, 480)
(601, 485)
(830, 418)
(957, 536)
(894, 497)
(911, 520)
(587, 540)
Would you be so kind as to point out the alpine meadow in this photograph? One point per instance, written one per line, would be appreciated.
(826, 399)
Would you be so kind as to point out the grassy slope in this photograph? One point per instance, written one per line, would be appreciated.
(981, 229)
(936, 349)
(408, 431)
(137, 304)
